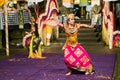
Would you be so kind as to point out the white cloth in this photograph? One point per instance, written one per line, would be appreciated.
(88, 8)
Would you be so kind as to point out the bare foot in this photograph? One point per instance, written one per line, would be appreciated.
(39, 57)
(69, 73)
(89, 73)
(42, 57)
(92, 73)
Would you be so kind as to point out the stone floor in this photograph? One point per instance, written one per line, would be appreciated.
(57, 48)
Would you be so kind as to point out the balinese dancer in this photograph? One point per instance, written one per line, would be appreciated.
(35, 47)
(75, 56)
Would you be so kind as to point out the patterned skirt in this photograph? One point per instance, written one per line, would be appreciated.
(76, 58)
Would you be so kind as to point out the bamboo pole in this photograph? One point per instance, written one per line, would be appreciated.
(6, 27)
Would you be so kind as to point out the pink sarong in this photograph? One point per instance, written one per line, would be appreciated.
(76, 58)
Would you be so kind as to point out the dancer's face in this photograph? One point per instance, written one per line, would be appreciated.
(71, 21)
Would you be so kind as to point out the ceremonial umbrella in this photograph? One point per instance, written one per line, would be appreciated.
(1, 2)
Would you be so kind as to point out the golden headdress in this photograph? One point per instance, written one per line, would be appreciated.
(70, 16)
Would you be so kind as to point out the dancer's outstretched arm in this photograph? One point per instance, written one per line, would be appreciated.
(86, 25)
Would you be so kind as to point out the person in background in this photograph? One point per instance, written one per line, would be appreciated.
(88, 9)
(11, 7)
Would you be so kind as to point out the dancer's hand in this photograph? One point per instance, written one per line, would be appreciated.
(91, 26)
(27, 33)
(60, 24)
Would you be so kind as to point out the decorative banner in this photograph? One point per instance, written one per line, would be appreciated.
(76, 1)
(68, 3)
(36, 1)
(83, 2)
(95, 2)
(1, 2)
(51, 10)
(110, 0)
(108, 25)
(21, 19)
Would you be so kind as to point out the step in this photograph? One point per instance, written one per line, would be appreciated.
(87, 46)
(88, 30)
(57, 48)
(85, 21)
(81, 35)
(85, 39)
(91, 43)
(81, 30)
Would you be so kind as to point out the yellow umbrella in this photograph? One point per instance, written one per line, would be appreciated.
(1, 2)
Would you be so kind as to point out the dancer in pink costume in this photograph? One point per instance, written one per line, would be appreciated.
(75, 56)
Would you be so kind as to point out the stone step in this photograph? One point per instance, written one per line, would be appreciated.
(85, 39)
(81, 35)
(57, 48)
(90, 51)
(91, 43)
(81, 30)
(86, 21)
(56, 44)
(89, 30)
